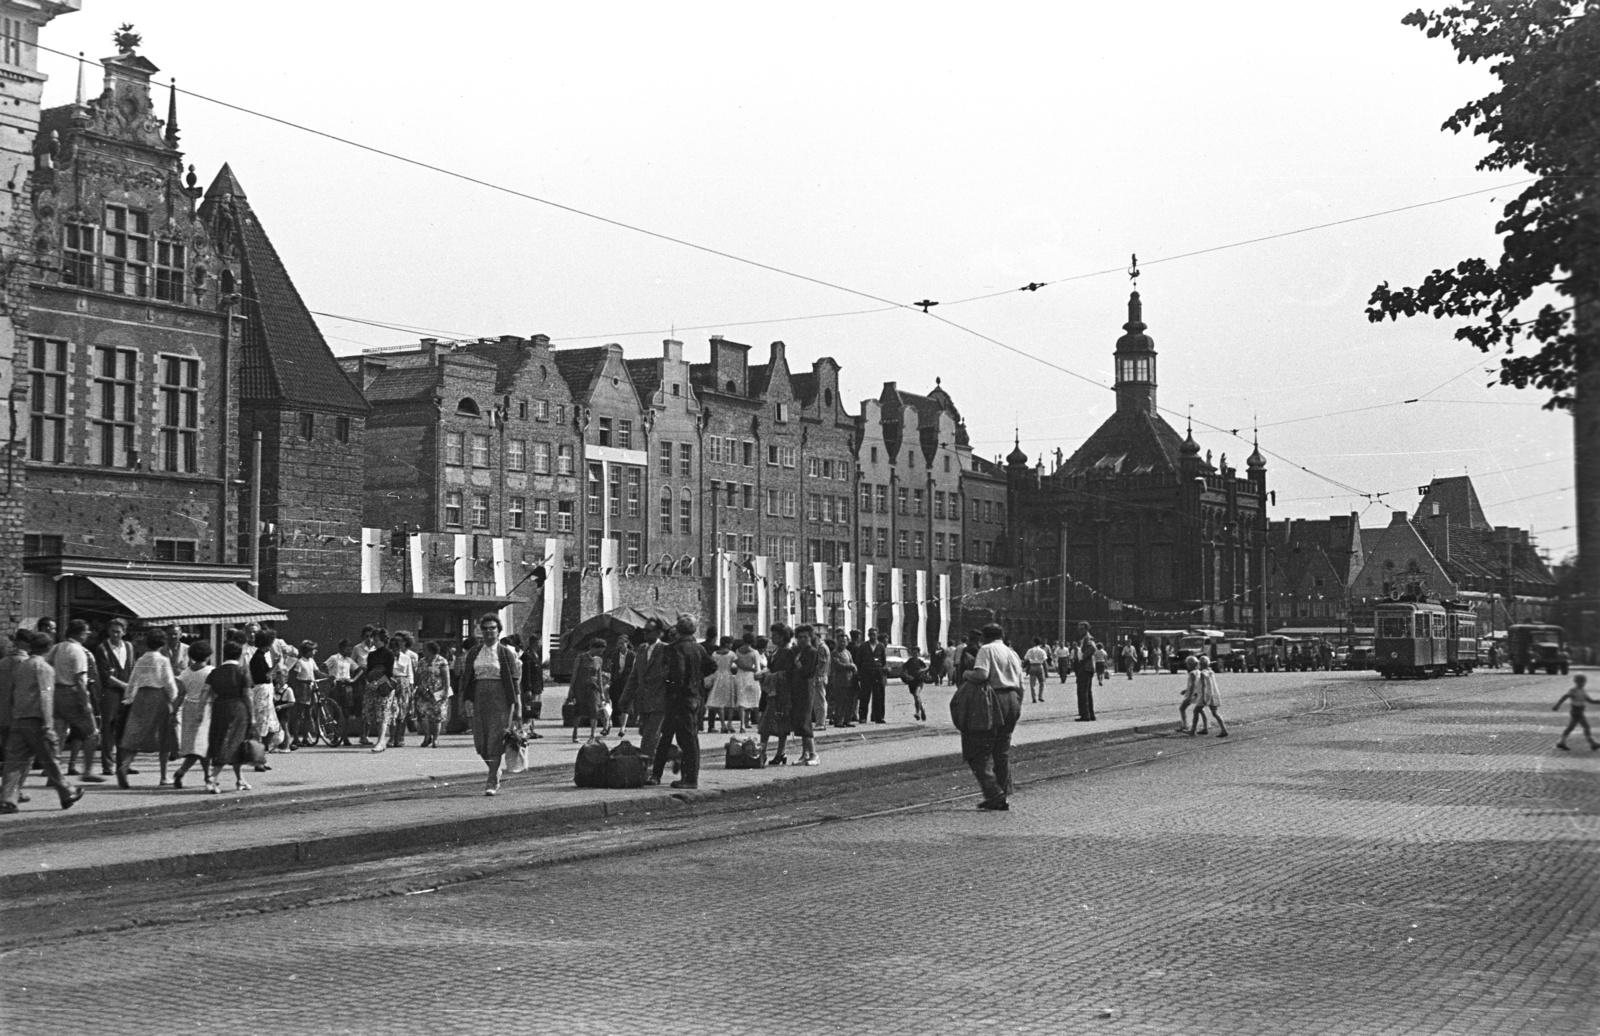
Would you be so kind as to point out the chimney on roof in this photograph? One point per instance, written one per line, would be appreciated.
(730, 367)
(1398, 518)
(672, 349)
(510, 340)
(430, 349)
(777, 354)
(538, 340)
(1441, 534)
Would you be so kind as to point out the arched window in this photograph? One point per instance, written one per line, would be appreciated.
(733, 389)
(668, 563)
(468, 405)
(686, 564)
(666, 510)
(686, 513)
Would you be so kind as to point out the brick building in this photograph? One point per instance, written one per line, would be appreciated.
(132, 424)
(1311, 564)
(1136, 528)
(672, 439)
(21, 87)
(305, 413)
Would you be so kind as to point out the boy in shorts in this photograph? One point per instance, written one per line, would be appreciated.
(1579, 697)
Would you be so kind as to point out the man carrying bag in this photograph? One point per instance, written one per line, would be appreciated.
(986, 709)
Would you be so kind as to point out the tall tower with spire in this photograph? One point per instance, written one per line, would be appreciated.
(1136, 362)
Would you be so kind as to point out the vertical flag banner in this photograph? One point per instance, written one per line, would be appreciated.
(791, 591)
(371, 561)
(502, 580)
(419, 570)
(727, 587)
(608, 574)
(922, 613)
(555, 570)
(462, 561)
(869, 598)
(847, 588)
(897, 606)
(944, 608)
(763, 567)
(817, 574)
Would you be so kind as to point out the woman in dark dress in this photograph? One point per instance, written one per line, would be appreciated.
(377, 706)
(230, 718)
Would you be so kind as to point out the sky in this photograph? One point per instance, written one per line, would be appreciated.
(893, 153)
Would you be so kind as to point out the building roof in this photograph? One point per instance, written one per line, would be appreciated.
(1129, 442)
(646, 375)
(1456, 497)
(580, 367)
(804, 387)
(403, 383)
(293, 365)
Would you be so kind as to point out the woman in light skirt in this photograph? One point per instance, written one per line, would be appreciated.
(748, 665)
(263, 707)
(149, 725)
(194, 713)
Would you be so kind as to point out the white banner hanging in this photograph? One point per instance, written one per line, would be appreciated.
(555, 570)
(944, 609)
(791, 593)
(847, 592)
(869, 598)
(763, 567)
(922, 613)
(897, 606)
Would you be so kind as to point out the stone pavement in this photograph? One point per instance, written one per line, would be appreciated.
(320, 806)
(1420, 869)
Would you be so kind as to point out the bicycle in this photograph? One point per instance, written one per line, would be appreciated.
(319, 718)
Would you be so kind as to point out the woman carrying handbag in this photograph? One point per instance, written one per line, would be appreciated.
(490, 679)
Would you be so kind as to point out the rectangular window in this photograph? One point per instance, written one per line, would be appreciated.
(635, 479)
(827, 509)
(790, 547)
(713, 449)
(35, 544)
(732, 490)
(480, 451)
(903, 544)
(730, 542)
(772, 547)
(783, 413)
(747, 594)
(518, 512)
(749, 454)
(125, 252)
(813, 511)
(827, 469)
(631, 558)
(541, 458)
(666, 511)
(866, 540)
(341, 429)
(541, 410)
(114, 375)
(480, 510)
(566, 460)
(955, 547)
(522, 410)
(664, 464)
(1000, 512)
(814, 551)
(592, 551)
(596, 489)
(772, 456)
(78, 255)
(452, 508)
(938, 546)
(180, 414)
(917, 544)
(516, 455)
(883, 543)
(791, 501)
(882, 493)
(686, 512)
(541, 516)
(685, 460)
(813, 467)
(615, 508)
(866, 498)
(749, 497)
(747, 544)
(938, 503)
(566, 520)
(175, 550)
(772, 502)
(169, 271)
(917, 497)
(605, 431)
(455, 449)
(624, 434)
(902, 500)
(791, 456)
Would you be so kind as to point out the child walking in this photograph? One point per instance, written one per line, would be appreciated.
(1205, 697)
(1578, 695)
(913, 672)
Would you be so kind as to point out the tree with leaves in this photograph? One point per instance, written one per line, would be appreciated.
(1545, 119)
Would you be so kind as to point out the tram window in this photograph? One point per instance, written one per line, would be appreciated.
(1393, 627)
(1438, 626)
(1422, 626)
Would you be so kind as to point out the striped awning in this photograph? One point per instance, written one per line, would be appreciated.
(186, 602)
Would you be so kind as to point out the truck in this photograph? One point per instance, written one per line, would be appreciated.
(1535, 646)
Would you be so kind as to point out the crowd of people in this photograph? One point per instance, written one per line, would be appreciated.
(98, 700)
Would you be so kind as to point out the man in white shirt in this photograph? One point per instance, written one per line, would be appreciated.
(988, 752)
(1037, 660)
(74, 700)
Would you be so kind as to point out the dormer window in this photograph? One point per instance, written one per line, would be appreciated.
(1136, 368)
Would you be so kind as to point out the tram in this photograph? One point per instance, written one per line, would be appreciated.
(1424, 638)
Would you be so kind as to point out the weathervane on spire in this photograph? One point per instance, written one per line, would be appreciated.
(126, 39)
(1133, 271)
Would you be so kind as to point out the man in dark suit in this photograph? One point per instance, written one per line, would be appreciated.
(870, 666)
(644, 695)
(687, 666)
(113, 658)
(1083, 668)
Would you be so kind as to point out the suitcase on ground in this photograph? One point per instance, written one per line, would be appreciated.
(744, 755)
(590, 769)
(626, 767)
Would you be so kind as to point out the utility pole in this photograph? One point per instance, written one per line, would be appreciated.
(1586, 461)
(255, 519)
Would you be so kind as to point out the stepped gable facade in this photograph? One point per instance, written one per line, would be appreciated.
(1311, 564)
(1136, 530)
(672, 415)
(309, 415)
(132, 360)
(612, 424)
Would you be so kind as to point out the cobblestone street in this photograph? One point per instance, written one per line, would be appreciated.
(1425, 869)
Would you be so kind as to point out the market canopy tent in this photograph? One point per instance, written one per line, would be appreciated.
(187, 602)
(624, 619)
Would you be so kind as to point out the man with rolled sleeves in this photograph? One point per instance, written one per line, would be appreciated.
(1083, 669)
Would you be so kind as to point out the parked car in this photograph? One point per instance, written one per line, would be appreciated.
(894, 659)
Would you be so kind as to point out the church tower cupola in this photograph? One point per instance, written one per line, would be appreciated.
(1136, 362)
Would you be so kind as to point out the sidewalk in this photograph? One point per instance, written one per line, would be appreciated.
(322, 806)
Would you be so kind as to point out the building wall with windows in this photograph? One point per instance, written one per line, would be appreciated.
(828, 484)
(21, 89)
(672, 439)
(739, 491)
(132, 393)
(615, 464)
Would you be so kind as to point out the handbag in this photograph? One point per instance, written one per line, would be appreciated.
(378, 683)
(516, 752)
(973, 708)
